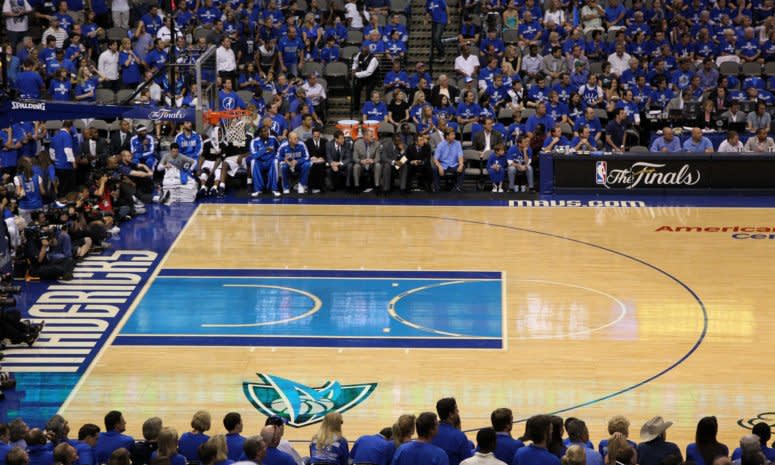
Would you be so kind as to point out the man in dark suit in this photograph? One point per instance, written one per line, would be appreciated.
(316, 146)
(487, 139)
(418, 164)
(444, 88)
(339, 158)
(93, 153)
(119, 140)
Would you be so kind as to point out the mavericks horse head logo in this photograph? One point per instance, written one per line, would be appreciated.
(302, 405)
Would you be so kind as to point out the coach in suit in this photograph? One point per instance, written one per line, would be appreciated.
(93, 153)
(393, 151)
(316, 147)
(418, 164)
(487, 139)
(119, 140)
(339, 158)
(366, 154)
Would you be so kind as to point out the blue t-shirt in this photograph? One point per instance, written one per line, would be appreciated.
(85, 452)
(419, 453)
(175, 459)
(697, 147)
(453, 441)
(438, 10)
(374, 112)
(234, 443)
(189, 443)
(506, 446)
(373, 449)
(275, 456)
(338, 452)
(533, 455)
(109, 441)
(693, 453)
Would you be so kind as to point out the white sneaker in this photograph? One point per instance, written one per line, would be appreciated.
(524, 188)
(494, 188)
(316, 191)
(250, 182)
(286, 191)
(256, 194)
(300, 189)
(516, 188)
(114, 230)
(276, 193)
(366, 191)
(500, 188)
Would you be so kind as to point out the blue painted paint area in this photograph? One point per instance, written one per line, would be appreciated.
(41, 389)
(397, 274)
(344, 309)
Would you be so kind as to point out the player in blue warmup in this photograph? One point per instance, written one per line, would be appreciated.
(375, 449)
(189, 142)
(143, 147)
(502, 420)
(263, 152)
(539, 430)
(421, 451)
(294, 159)
(450, 438)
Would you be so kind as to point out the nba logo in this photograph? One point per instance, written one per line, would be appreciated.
(601, 173)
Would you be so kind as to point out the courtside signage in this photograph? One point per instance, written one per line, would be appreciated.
(737, 232)
(576, 203)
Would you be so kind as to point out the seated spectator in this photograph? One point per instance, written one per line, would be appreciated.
(366, 154)
(168, 445)
(143, 449)
(731, 144)
(618, 426)
(759, 143)
(37, 451)
(653, 448)
(466, 65)
(538, 430)
(328, 444)
(271, 435)
(486, 444)
(496, 168)
(762, 431)
(520, 161)
(667, 142)
(555, 141)
(448, 161)
(759, 118)
(583, 142)
(697, 143)
(615, 131)
(418, 166)
(486, 140)
(422, 450)
(705, 448)
(189, 442)
(112, 438)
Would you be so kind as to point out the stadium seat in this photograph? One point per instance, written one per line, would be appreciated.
(301, 5)
(465, 134)
(349, 52)
(474, 163)
(245, 95)
(117, 33)
(527, 113)
(751, 69)
(386, 129)
(54, 125)
(100, 125)
(400, 6)
(729, 68)
(200, 32)
(336, 74)
(566, 129)
(123, 94)
(312, 67)
(596, 67)
(769, 68)
(511, 36)
(354, 37)
(105, 96)
(639, 148)
(505, 115)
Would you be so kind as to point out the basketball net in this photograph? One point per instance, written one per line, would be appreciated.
(234, 124)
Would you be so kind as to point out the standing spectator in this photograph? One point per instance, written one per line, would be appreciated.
(364, 70)
(107, 65)
(16, 14)
(291, 58)
(653, 448)
(54, 30)
(615, 135)
(64, 163)
(438, 14)
(226, 61)
(486, 440)
(502, 420)
(538, 430)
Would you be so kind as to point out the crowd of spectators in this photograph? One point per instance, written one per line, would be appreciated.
(560, 76)
(426, 439)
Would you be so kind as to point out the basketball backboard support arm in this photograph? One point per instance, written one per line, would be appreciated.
(204, 87)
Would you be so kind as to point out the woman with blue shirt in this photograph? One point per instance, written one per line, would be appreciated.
(60, 87)
(328, 445)
(705, 448)
(129, 64)
(29, 189)
(190, 441)
(415, 112)
(86, 89)
(168, 447)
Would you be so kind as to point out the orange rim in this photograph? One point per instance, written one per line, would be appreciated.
(214, 117)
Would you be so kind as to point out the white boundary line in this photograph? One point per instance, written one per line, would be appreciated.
(109, 342)
(504, 310)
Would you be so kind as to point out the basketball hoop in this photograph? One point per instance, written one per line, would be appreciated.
(233, 123)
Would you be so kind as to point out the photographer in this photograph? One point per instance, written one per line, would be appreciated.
(45, 253)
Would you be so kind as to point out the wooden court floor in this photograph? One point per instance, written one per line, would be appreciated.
(604, 314)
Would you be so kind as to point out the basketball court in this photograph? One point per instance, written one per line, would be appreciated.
(378, 311)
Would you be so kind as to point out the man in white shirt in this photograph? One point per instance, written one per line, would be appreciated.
(466, 65)
(317, 94)
(16, 14)
(107, 64)
(731, 144)
(225, 60)
(486, 439)
(54, 30)
(620, 60)
(120, 11)
(352, 14)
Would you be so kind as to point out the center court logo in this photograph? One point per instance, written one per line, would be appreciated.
(302, 405)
